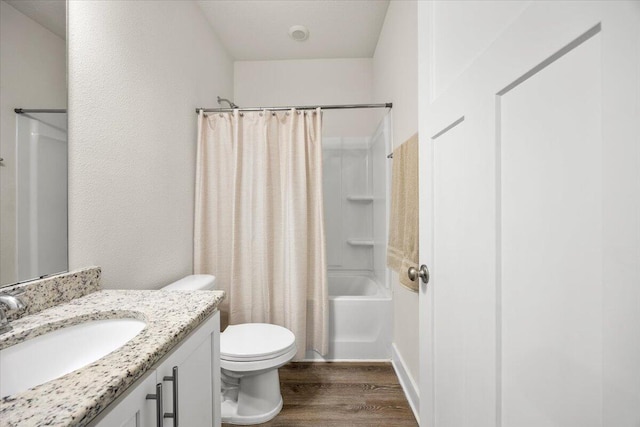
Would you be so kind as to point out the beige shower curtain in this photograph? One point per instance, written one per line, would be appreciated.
(259, 224)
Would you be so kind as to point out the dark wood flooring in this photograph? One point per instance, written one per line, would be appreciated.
(341, 394)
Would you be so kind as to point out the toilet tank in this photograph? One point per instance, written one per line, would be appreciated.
(195, 282)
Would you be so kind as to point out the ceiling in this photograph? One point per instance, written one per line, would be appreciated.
(51, 14)
(258, 29)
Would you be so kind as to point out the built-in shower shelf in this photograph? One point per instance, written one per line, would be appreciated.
(360, 242)
(360, 198)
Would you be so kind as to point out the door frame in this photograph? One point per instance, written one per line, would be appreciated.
(426, 410)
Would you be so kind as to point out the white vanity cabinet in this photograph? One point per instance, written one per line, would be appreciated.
(132, 409)
(192, 364)
(195, 364)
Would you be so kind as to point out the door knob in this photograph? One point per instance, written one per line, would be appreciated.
(423, 273)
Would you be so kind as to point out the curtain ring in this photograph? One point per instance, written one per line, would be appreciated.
(241, 113)
(260, 114)
(221, 115)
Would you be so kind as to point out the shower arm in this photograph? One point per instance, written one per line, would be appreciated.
(231, 104)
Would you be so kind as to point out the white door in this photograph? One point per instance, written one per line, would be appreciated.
(530, 225)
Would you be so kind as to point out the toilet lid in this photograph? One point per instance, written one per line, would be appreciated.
(255, 341)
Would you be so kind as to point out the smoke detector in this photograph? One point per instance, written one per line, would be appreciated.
(299, 33)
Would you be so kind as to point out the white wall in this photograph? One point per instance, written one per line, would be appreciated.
(312, 82)
(32, 75)
(395, 70)
(137, 70)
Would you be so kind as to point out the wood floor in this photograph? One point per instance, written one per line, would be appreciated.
(341, 394)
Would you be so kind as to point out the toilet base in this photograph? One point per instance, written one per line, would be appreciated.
(250, 398)
(230, 414)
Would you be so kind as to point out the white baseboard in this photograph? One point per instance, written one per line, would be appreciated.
(409, 386)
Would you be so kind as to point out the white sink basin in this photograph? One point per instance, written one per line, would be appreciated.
(56, 353)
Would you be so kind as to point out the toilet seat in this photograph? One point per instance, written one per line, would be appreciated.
(256, 342)
(254, 347)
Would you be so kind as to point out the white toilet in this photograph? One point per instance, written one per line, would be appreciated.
(250, 355)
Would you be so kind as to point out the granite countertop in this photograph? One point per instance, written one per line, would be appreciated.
(76, 398)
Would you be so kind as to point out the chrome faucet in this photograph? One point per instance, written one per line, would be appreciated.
(8, 303)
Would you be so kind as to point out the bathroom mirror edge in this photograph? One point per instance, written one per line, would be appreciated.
(50, 22)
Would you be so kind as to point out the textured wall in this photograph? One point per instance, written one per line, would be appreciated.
(32, 75)
(312, 82)
(137, 70)
(395, 70)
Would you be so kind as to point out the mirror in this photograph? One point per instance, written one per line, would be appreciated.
(33, 140)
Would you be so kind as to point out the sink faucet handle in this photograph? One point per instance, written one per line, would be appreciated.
(9, 303)
(15, 292)
(12, 301)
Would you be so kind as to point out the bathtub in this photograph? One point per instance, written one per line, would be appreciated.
(359, 319)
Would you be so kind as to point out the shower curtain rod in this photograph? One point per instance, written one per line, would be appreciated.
(39, 110)
(298, 107)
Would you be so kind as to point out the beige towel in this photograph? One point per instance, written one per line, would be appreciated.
(402, 252)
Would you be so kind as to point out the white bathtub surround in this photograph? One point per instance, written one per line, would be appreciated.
(360, 319)
(355, 202)
(355, 195)
(347, 202)
(259, 224)
(76, 398)
(381, 146)
(348, 198)
(403, 224)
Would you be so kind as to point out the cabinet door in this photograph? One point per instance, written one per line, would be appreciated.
(193, 363)
(133, 410)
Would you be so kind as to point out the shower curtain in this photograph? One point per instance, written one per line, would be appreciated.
(259, 224)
